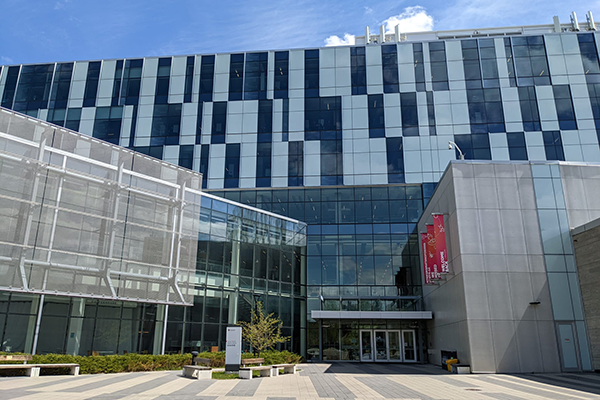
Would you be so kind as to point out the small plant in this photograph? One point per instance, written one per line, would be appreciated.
(263, 332)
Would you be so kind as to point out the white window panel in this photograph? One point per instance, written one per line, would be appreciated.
(148, 87)
(248, 150)
(411, 144)
(296, 121)
(105, 88)
(441, 97)
(379, 179)
(143, 127)
(373, 55)
(312, 181)
(378, 163)
(570, 138)
(233, 138)
(177, 85)
(343, 91)
(342, 57)
(500, 153)
(296, 79)
(374, 75)
(296, 60)
(279, 182)
(234, 123)
(498, 140)
(248, 167)
(422, 113)
(216, 183)
(591, 153)
(221, 83)
(296, 93)
(361, 145)
(150, 67)
(536, 153)
(557, 66)
(573, 153)
(514, 126)
(510, 94)
(574, 64)
(296, 136)
(583, 109)
(250, 106)
(550, 126)
(277, 123)
(145, 111)
(534, 139)
(145, 100)
(393, 132)
(512, 111)
(360, 118)
(360, 133)
(222, 63)
(312, 147)
(461, 129)
(178, 66)
(407, 73)
(412, 161)
(426, 161)
(405, 54)
(346, 119)
(250, 123)
(348, 164)
(391, 99)
(108, 69)
(312, 164)
(443, 114)
(77, 90)
(547, 109)
(79, 71)
(456, 71)
(347, 145)
(280, 166)
(359, 101)
(88, 113)
(327, 58)
(186, 140)
(588, 136)
(458, 96)
(392, 117)
(362, 163)
(586, 124)
(171, 152)
(460, 114)
(454, 50)
(570, 44)
(247, 182)
(553, 45)
(343, 77)
(456, 86)
(327, 92)
(142, 141)
(576, 79)
(217, 150)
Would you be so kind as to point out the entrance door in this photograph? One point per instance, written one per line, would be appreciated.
(366, 346)
(568, 348)
(381, 346)
(394, 346)
(408, 346)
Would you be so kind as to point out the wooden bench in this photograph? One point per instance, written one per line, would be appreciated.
(197, 372)
(246, 372)
(287, 369)
(249, 361)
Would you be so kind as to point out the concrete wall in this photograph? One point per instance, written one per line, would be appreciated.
(586, 243)
(481, 309)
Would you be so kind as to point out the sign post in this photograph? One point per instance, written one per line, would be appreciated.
(233, 348)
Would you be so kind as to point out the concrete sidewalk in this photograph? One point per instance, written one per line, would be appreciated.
(315, 381)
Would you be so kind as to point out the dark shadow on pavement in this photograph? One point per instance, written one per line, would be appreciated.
(383, 369)
(585, 382)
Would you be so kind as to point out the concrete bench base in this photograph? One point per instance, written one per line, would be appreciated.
(197, 372)
(246, 372)
(33, 370)
(287, 369)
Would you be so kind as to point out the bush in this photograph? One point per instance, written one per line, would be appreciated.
(147, 362)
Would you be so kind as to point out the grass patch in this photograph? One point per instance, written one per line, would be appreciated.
(233, 375)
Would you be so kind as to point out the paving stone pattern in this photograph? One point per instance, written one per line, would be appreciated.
(335, 381)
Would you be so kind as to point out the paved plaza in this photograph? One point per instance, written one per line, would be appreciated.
(315, 381)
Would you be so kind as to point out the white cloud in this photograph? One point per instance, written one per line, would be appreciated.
(334, 40)
(368, 10)
(413, 19)
(6, 60)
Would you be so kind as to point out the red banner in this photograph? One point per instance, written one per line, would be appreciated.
(432, 257)
(426, 271)
(439, 233)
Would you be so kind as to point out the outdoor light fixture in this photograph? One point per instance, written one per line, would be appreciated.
(452, 145)
(534, 303)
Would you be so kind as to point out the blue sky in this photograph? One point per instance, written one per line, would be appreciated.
(65, 30)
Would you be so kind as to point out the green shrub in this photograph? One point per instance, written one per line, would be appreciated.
(147, 362)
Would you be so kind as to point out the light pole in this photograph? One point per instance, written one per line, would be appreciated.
(452, 145)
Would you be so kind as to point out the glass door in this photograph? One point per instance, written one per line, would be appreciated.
(568, 348)
(381, 346)
(408, 346)
(394, 346)
(366, 346)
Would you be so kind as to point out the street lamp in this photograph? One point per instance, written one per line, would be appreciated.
(452, 145)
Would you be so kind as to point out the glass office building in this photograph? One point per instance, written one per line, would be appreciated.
(351, 140)
(107, 251)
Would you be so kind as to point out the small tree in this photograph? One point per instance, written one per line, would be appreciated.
(263, 331)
